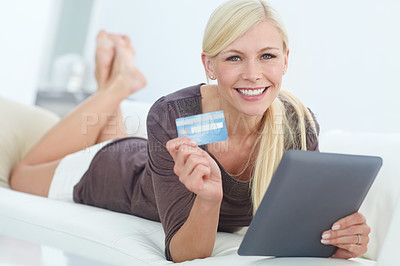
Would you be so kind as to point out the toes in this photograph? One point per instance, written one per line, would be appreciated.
(124, 41)
(104, 40)
(123, 70)
(127, 41)
(124, 50)
(104, 55)
(122, 56)
(104, 60)
(101, 34)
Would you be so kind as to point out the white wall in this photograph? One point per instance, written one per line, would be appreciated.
(25, 42)
(345, 61)
(343, 64)
(166, 35)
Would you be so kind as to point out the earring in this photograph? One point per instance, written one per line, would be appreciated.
(212, 77)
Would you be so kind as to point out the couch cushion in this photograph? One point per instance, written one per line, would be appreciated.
(135, 114)
(115, 238)
(21, 127)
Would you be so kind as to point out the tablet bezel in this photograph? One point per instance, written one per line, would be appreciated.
(309, 191)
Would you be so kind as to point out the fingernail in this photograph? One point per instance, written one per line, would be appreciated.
(324, 241)
(336, 227)
(324, 236)
(193, 143)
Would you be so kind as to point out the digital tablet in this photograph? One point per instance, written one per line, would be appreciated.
(308, 193)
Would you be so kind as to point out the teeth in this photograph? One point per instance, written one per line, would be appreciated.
(251, 92)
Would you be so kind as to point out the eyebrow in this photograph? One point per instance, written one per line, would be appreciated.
(239, 52)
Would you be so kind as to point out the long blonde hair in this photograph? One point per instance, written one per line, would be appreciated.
(285, 121)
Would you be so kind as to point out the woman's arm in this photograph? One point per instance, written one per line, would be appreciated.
(195, 239)
(187, 185)
(201, 175)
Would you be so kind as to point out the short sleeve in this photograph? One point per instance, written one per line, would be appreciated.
(173, 200)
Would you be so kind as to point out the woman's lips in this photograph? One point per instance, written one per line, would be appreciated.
(252, 91)
(252, 94)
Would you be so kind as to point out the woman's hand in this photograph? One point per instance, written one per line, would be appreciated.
(350, 235)
(196, 169)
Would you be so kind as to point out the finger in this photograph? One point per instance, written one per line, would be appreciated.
(181, 156)
(184, 152)
(354, 250)
(342, 254)
(351, 239)
(174, 144)
(353, 219)
(363, 229)
(196, 181)
(193, 160)
(188, 167)
(192, 176)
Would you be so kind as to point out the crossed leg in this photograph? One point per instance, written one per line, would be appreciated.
(95, 120)
(105, 54)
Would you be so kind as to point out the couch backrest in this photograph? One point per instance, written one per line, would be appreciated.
(135, 116)
(378, 205)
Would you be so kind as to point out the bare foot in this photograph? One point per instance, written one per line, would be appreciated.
(104, 56)
(125, 77)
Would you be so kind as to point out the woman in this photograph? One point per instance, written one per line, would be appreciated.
(193, 190)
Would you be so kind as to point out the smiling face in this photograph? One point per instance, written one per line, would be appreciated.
(249, 71)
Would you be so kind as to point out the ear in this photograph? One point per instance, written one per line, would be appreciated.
(208, 67)
(286, 61)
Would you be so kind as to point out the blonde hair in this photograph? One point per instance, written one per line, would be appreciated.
(232, 19)
(284, 123)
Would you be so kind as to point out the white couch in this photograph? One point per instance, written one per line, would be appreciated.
(122, 239)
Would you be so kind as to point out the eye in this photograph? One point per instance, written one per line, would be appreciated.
(233, 58)
(267, 56)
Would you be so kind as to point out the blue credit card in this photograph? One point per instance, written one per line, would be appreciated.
(203, 128)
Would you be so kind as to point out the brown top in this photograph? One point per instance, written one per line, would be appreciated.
(135, 176)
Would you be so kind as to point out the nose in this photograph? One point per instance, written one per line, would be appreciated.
(251, 71)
